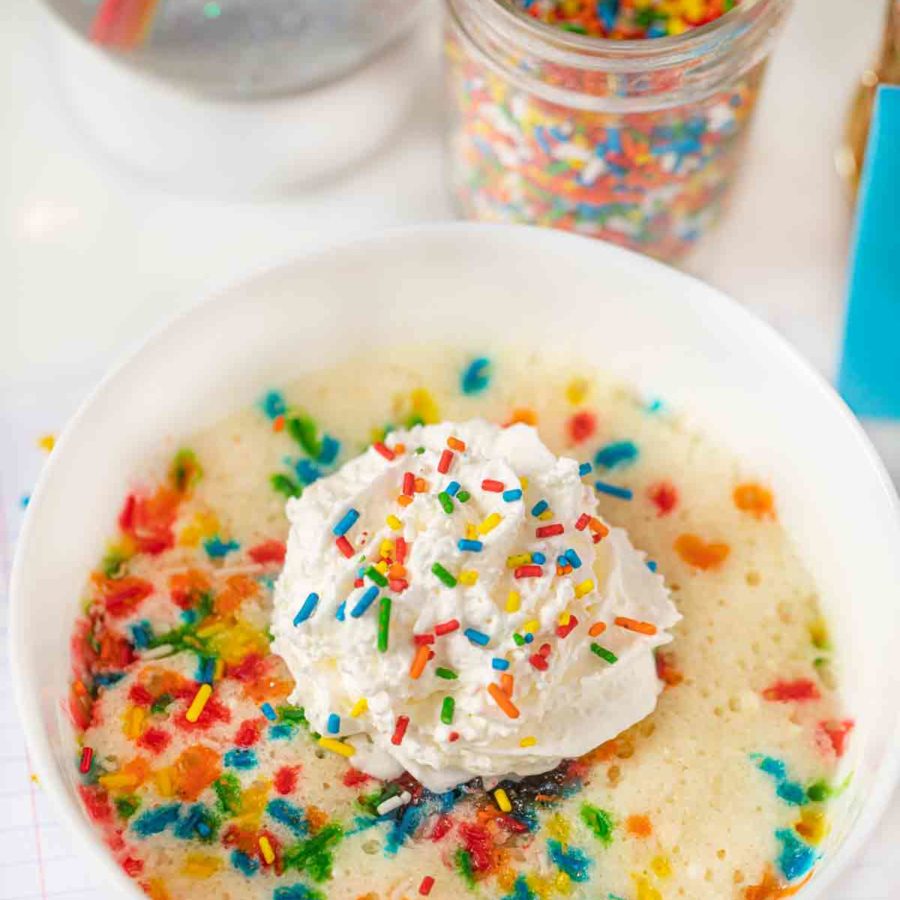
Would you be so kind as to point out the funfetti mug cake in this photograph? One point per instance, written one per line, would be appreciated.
(471, 626)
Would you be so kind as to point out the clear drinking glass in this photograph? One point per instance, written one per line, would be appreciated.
(636, 142)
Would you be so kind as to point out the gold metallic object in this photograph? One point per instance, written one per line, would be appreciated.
(849, 156)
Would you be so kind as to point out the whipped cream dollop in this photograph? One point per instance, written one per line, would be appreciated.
(452, 604)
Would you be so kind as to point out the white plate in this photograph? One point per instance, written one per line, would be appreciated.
(479, 286)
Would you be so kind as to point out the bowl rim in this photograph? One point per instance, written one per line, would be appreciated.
(885, 779)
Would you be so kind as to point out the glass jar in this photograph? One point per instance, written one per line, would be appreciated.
(636, 142)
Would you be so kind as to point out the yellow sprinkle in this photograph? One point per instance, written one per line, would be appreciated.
(337, 746)
(165, 786)
(661, 866)
(531, 626)
(115, 781)
(513, 601)
(502, 800)
(200, 865)
(812, 826)
(490, 523)
(585, 587)
(204, 692)
(577, 390)
(359, 708)
(471, 532)
(545, 515)
(424, 405)
(563, 883)
(559, 827)
(211, 629)
(645, 890)
(564, 618)
(34, 778)
(468, 577)
(382, 567)
(524, 482)
(218, 669)
(253, 804)
(529, 741)
(519, 559)
(266, 847)
(46, 442)
(134, 722)
(394, 522)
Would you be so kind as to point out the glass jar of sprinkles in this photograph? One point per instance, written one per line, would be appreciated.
(633, 136)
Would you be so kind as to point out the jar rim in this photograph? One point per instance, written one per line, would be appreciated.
(612, 54)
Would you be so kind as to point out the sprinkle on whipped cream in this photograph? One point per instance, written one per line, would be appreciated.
(452, 604)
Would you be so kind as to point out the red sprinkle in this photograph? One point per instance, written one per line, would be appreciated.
(837, 733)
(581, 426)
(409, 484)
(446, 627)
(539, 661)
(445, 462)
(87, 754)
(354, 778)
(549, 530)
(344, 546)
(249, 732)
(563, 631)
(268, 552)
(155, 740)
(132, 866)
(799, 690)
(398, 585)
(400, 730)
(528, 572)
(511, 824)
(426, 885)
(386, 452)
(441, 827)
(453, 736)
(495, 487)
(419, 639)
(286, 779)
(664, 496)
(582, 522)
(358, 583)
(400, 547)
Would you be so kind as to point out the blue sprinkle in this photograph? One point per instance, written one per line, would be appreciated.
(341, 612)
(283, 731)
(403, 828)
(105, 679)
(529, 638)
(570, 860)
(329, 450)
(619, 453)
(585, 469)
(206, 669)
(470, 546)
(308, 608)
(651, 565)
(539, 507)
(520, 891)
(654, 406)
(364, 602)
(273, 405)
(193, 823)
(347, 521)
(216, 548)
(189, 616)
(268, 712)
(141, 634)
(573, 558)
(452, 489)
(562, 560)
(613, 490)
(501, 665)
(796, 858)
(289, 815)
(512, 495)
(538, 558)
(308, 472)
(334, 724)
(790, 791)
(246, 865)
(477, 376)
(24, 500)
(241, 758)
(295, 892)
(477, 637)
(155, 821)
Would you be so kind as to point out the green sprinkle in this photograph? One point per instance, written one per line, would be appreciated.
(185, 471)
(161, 703)
(449, 674)
(463, 496)
(373, 574)
(314, 856)
(603, 653)
(819, 791)
(294, 714)
(114, 564)
(599, 821)
(463, 861)
(284, 484)
(212, 10)
(303, 430)
(520, 641)
(443, 575)
(228, 793)
(419, 450)
(384, 623)
(127, 806)
(447, 709)
(446, 502)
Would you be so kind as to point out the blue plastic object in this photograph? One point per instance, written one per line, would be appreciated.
(869, 376)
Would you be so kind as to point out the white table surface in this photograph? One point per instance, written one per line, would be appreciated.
(91, 258)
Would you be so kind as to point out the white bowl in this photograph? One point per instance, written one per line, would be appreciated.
(477, 285)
